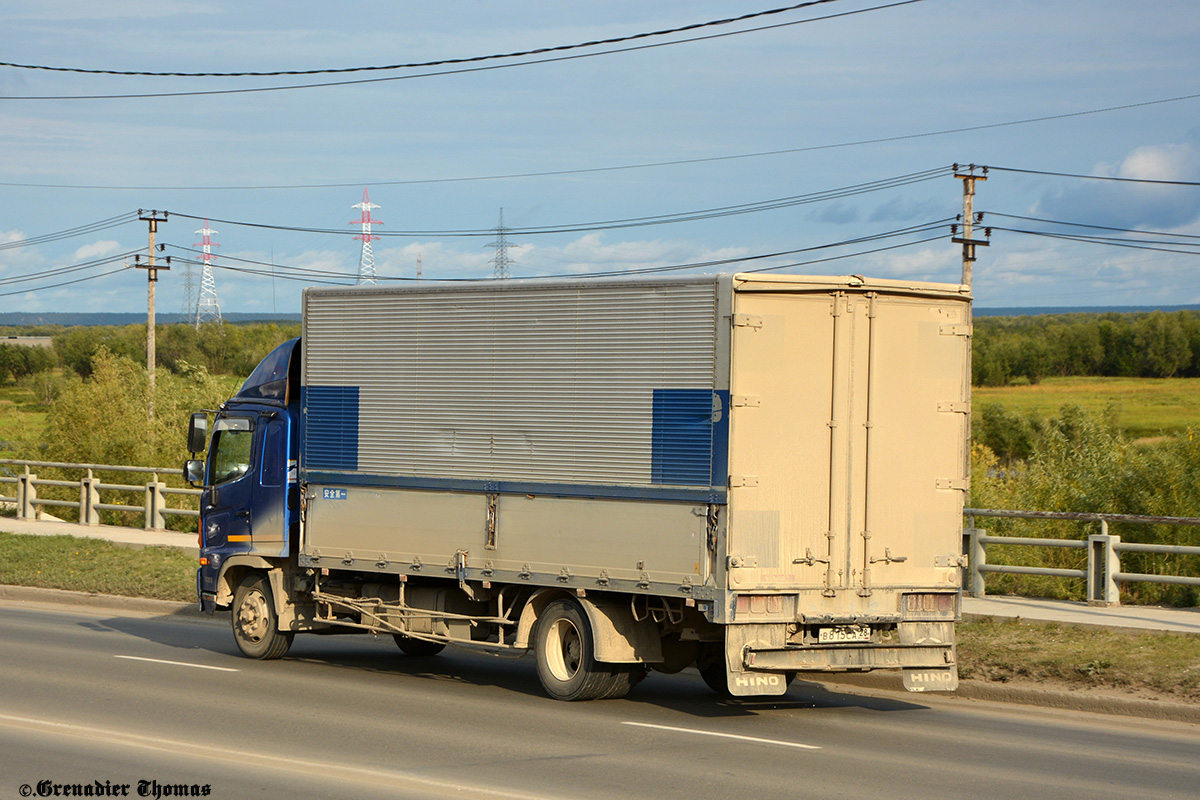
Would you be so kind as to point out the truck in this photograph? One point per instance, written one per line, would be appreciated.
(756, 475)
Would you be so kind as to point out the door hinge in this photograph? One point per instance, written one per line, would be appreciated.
(739, 481)
(747, 321)
(955, 407)
(957, 329)
(961, 484)
(745, 401)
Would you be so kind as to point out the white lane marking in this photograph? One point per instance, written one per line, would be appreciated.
(177, 663)
(754, 739)
(242, 757)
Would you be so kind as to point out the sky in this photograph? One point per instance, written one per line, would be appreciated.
(831, 130)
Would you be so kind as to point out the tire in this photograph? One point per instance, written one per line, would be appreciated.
(711, 664)
(417, 648)
(255, 624)
(566, 664)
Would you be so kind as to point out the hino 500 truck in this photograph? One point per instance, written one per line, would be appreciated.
(755, 475)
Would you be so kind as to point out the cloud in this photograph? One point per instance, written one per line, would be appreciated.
(1132, 205)
(96, 250)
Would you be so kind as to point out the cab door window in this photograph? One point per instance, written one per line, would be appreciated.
(232, 446)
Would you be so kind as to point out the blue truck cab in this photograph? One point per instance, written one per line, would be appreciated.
(250, 506)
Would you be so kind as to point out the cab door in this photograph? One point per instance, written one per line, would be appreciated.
(226, 505)
(269, 490)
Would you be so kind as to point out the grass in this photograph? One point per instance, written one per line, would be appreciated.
(1146, 407)
(1161, 665)
(94, 565)
(21, 417)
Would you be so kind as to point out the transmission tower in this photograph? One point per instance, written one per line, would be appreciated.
(207, 307)
(366, 262)
(189, 295)
(501, 262)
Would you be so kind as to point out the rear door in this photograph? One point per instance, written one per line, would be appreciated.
(847, 457)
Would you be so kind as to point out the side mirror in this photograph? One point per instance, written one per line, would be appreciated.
(194, 472)
(198, 432)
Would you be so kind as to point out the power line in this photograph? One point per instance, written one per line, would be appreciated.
(81, 230)
(1100, 177)
(64, 283)
(322, 276)
(631, 222)
(1131, 244)
(67, 270)
(642, 165)
(485, 68)
(426, 64)
(1092, 226)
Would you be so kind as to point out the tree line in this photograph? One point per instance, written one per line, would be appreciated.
(1142, 344)
(220, 349)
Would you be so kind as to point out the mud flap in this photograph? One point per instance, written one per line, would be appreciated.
(937, 679)
(745, 684)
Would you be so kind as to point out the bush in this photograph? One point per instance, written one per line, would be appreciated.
(1080, 461)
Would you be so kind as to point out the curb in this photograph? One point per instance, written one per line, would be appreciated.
(1066, 700)
(102, 602)
(987, 691)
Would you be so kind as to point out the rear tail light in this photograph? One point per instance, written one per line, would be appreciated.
(765, 604)
(929, 604)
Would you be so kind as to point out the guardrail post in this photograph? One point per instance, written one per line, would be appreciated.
(1103, 563)
(976, 557)
(155, 502)
(26, 496)
(89, 498)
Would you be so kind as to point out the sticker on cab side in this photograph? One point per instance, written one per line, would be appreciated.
(333, 494)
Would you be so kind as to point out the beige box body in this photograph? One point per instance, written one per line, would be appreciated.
(710, 438)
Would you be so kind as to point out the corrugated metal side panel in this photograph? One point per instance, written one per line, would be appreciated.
(558, 384)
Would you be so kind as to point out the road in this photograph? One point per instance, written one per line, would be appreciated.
(103, 700)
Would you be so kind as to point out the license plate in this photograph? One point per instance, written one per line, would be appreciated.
(844, 633)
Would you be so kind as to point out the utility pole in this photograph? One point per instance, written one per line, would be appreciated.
(968, 220)
(153, 218)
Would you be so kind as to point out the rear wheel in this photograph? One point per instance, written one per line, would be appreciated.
(566, 664)
(417, 648)
(711, 664)
(255, 624)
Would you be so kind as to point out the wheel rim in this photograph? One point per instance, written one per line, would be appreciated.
(253, 616)
(564, 650)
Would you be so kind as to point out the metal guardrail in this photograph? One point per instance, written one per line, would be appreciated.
(154, 507)
(1103, 573)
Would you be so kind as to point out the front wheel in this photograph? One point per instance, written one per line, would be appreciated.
(255, 624)
(566, 664)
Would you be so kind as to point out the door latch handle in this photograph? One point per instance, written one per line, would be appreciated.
(245, 512)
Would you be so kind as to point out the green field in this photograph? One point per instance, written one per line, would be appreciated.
(21, 417)
(1145, 407)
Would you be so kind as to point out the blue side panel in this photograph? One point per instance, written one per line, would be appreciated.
(682, 438)
(720, 438)
(331, 427)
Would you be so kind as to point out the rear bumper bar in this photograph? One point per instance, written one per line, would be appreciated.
(838, 658)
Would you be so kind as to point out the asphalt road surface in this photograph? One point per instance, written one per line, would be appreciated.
(101, 702)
